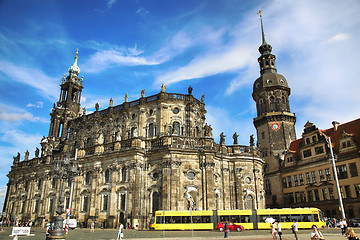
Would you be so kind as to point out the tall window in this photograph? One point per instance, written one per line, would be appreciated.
(85, 203)
(353, 170)
(316, 195)
(105, 202)
(123, 174)
(289, 181)
(307, 176)
(310, 196)
(319, 150)
(313, 177)
(51, 205)
(347, 191)
(321, 175)
(301, 179)
(53, 183)
(296, 181)
(284, 182)
(328, 174)
(39, 184)
(36, 206)
(107, 176)
(88, 178)
(122, 201)
(357, 190)
(325, 194)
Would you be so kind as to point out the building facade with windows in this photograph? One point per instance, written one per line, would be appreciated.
(156, 152)
(307, 172)
(298, 172)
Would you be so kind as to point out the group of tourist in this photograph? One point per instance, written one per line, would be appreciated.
(315, 234)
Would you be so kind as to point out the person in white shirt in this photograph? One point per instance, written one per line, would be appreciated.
(315, 234)
(279, 230)
(120, 233)
(294, 228)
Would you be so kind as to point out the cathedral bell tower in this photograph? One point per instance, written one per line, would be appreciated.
(275, 124)
(68, 106)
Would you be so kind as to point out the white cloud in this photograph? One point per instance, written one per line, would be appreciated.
(106, 59)
(33, 77)
(339, 37)
(142, 12)
(36, 105)
(14, 114)
(3, 191)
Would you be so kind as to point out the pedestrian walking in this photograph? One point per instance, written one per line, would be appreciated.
(226, 229)
(279, 229)
(92, 227)
(121, 232)
(343, 226)
(273, 230)
(316, 234)
(294, 229)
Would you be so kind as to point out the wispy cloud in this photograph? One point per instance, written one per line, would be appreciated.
(110, 3)
(32, 77)
(339, 37)
(142, 12)
(111, 58)
(14, 114)
(36, 105)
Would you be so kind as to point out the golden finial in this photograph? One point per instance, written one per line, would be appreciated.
(260, 11)
(82, 80)
(63, 80)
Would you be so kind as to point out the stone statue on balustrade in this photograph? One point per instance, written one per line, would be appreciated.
(235, 137)
(16, 158)
(207, 130)
(37, 151)
(27, 155)
(222, 138)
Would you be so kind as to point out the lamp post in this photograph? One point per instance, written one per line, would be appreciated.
(341, 205)
(64, 169)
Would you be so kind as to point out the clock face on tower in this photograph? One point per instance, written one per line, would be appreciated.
(275, 126)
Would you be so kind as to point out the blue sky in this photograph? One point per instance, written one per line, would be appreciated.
(129, 45)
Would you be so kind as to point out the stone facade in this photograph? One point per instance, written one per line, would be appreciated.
(156, 152)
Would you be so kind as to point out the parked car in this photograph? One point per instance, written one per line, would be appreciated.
(232, 227)
(72, 223)
(354, 223)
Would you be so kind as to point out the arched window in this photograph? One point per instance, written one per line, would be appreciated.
(133, 132)
(249, 202)
(122, 201)
(307, 140)
(314, 139)
(89, 142)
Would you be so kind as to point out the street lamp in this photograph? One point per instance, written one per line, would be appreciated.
(64, 169)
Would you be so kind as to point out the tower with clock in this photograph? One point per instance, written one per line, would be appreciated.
(275, 124)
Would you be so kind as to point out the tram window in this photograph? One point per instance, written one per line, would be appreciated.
(285, 218)
(224, 218)
(244, 219)
(176, 219)
(186, 219)
(263, 217)
(159, 219)
(295, 217)
(206, 219)
(315, 217)
(197, 219)
(276, 217)
(234, 219)
(168, 220)
(306, 217)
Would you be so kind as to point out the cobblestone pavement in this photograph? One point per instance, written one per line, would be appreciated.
(108, 234)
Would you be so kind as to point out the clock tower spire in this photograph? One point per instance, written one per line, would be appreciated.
(275, 124)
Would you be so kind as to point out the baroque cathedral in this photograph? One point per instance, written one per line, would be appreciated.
(132, 159)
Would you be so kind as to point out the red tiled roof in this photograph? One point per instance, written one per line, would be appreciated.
(352, 128)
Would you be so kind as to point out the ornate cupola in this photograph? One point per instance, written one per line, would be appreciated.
(68, 106)
(274, 122)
